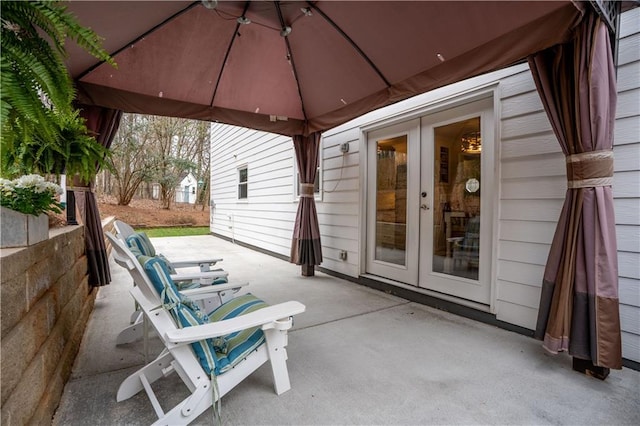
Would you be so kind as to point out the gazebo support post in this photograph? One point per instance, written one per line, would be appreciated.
(306, 249)
(71, 208)
(585, 366)
(308, 270)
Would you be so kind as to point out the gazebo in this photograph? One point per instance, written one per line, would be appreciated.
(299, 68)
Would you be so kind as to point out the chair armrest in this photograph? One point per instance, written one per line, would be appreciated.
(206, 291)
(191, 263)
(192, 276)
(257, 318)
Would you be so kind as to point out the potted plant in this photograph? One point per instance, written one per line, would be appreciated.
(24, 203)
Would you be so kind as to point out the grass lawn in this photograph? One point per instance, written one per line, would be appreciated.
(179, 231)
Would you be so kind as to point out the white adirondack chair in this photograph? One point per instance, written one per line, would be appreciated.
(217, 293)
(124, 231)
(179, 356)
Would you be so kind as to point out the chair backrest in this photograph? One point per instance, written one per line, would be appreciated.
(131, 238)
(146, 294)
(125, 258)
(141, 243)
(123, 230)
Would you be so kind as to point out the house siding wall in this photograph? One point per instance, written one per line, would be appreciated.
(265, 219)
(626, 188)
(531, 188)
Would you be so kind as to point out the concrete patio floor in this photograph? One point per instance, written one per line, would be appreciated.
(356, 356)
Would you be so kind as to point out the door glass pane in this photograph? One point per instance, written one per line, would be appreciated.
(391, 200)
(456, 216)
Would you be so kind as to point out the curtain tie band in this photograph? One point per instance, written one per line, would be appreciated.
(590, 169)
(80, 188)
(307, 190)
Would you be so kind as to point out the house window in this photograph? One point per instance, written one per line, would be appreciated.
(243, 178)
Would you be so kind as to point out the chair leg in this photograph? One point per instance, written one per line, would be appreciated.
(191, 407)
(130, 334)
(276, 346)
(158, 368)
(135, 316)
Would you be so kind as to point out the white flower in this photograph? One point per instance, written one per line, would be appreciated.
(27, 181)
(53, 188)
(30, 194)
(37, 184)
(6, 185)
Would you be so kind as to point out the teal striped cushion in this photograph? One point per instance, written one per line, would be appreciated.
(241, 343)
(215, 355)
(140, 244)
(160, 277)
(140, 241)
(168, 264)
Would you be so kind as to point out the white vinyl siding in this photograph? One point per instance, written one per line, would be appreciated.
(339, 212)
(532, 190)
(626, 187)
(265, 219)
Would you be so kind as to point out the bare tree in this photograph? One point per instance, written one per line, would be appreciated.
(158, 150)
(175, 148)
(203, 154)
(130, 164)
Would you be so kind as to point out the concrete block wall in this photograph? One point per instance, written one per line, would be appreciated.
(45, 305)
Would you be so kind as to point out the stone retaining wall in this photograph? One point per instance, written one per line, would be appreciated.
(46, 303)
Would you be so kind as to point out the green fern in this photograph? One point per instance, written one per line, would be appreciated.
(41, 131)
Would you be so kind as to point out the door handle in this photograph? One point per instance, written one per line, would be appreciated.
(423, 194)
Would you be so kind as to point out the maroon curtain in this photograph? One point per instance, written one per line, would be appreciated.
(305, 247)
(103, 123)
(579, 301)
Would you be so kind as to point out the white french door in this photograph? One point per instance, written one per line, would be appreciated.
(457, 176)
(429, 201)
(393, 179)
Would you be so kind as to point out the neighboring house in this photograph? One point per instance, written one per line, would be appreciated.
(431, 164)
(187, 190)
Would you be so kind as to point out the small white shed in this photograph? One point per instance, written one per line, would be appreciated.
(187, 191)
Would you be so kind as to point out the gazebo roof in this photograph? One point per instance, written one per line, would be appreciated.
(295, 67)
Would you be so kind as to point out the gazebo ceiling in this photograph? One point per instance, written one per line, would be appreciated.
(296, 67)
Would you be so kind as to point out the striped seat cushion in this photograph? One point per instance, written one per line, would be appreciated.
(141, 242)
(215, 355)
(241, 343)
(140, 245)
